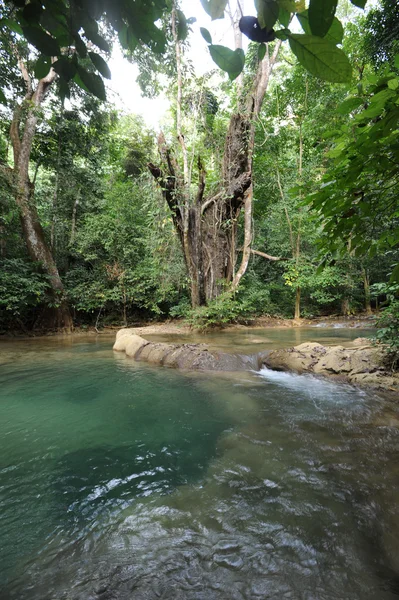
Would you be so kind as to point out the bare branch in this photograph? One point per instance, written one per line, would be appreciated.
(201, 182)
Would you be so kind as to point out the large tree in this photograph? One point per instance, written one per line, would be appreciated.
(207, 224)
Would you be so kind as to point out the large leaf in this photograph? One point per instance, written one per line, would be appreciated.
(3, 99)
(206, 35)
(182, 27)
(268, 11)
(335, 34)
(13, 25)
(321, 16)
(42, 66)
(231, 61)
(214, 8)
(100, 65)
(65, 67)
(42, 41)
(359, 3)
(321, 58)
(92, 82)
(349, 105)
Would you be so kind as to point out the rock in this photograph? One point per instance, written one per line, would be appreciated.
(360, 365)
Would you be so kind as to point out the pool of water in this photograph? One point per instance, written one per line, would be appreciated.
(120, 481)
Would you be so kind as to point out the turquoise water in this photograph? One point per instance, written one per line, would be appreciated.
(120, 481)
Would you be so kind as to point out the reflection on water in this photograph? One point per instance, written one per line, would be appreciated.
(119, 481)
(250, 341)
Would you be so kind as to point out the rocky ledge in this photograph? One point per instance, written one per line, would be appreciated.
(182, 356)
(360, 364)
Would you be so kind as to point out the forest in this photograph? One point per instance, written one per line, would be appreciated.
(271, 189)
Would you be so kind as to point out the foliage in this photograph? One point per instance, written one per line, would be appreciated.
(68, 30)
(358, 199)
(22, 289)
(316, 49)
(388, 322)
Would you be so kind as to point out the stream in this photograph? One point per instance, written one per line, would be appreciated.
(121, 481)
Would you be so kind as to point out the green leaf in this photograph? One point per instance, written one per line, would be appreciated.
(231, 61)
(284, 17)
(288, 5)
(65, 67)
(3, 99)
(268, 12)
(349, 105)
(98, 40)
(206, 35)
(397, 61)
(92, 82)
(12, 25)
(42, 66)
(42, 41)
(80, 45)
(214, 8)
(182, 27)
(100, 65)
(261, 52)
(395, 274)
(321, 16)
(321, 58)
(335, 34)
(393, 84)
(359, 3)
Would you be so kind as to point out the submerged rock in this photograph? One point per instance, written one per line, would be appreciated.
(361, 364)
(182, 356)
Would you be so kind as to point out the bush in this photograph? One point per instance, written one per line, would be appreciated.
(388, 323)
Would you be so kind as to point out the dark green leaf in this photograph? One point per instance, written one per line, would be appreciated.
(261, 52)
(65, 67)
(32, 11)
(93, 83)
(64, 89)
(100, 65)
(349, 105)
(42, 66)
(288, 5)
(335, 34)
(80, 45)
(397, 61)
(42, 41)
(182, 27)
(321, 58)
(359, 3)
(3, 99)
(231, 61)
(98, 40)
(206, 35)
(321, 16)
(268, 12)
(12, 25)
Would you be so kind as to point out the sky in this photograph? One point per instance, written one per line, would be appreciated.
(123, 89)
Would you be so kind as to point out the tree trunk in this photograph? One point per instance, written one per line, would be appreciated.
(297, 314)
(58, 315)
(207, 228)
(367, 295)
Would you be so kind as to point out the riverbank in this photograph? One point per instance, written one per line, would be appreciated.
(176, 326)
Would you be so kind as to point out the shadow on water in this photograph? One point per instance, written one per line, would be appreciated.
(195, 487)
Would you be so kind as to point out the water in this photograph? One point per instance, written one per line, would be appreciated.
(120, 481)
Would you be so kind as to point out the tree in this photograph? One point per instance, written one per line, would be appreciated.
(358, 200)
(207, 226)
